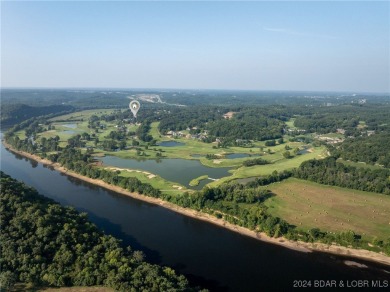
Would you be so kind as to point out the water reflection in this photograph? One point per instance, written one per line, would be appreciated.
(181, 171)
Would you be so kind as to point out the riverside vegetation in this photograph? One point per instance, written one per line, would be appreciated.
(276, 133)
(236, 203)
(44, 244)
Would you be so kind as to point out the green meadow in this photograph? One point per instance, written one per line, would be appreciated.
(311, 205)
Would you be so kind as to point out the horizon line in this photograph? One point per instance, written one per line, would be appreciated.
(190, 89)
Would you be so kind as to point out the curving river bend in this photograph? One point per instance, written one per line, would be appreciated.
(208, 255)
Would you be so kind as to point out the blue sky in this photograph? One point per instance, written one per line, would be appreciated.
(326, 46)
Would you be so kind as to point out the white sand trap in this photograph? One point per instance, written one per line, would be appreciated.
(355, 264)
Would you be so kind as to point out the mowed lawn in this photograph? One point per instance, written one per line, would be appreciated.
(155, 181)
(85, 115)
(279, 165)
(309, 205)
(69, 125)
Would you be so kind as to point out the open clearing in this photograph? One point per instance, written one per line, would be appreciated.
(310, 205)
(82, 115)
(155, 181)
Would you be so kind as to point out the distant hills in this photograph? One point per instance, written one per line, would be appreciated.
(15, 113)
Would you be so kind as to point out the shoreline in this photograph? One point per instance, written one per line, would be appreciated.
(294, 245)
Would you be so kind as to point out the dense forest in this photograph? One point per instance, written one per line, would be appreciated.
(245, 123)
(256, 161)
(257, 115)
(328, 119)
(103, 98)
(247, 127)
(76, 98)
(45, 244)
(373, 149)
(330, 172)
(180, 119)
(267, 122)
(15, 113)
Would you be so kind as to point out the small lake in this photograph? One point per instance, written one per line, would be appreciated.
(236, 155)
(303, 151)
(71, 126)
(68, 132)
(170, 144)
(175, 170)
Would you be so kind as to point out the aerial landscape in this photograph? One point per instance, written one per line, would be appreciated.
(144, 151)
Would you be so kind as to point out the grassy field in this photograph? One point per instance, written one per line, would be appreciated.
(77, 123)
(154, 180)
(309, 205)
(278, 165)
(82, 115)
(197, 180)
(154, 131)
(21, 135)
(191, 146)
(80, 119)
(195, 147)
(290, 124)
(362, 125)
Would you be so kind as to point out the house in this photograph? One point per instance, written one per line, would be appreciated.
(297, 130)
(228, 115)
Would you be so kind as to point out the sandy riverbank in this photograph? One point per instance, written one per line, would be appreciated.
(295, 245)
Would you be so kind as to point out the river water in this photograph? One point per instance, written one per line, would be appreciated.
(208, 255)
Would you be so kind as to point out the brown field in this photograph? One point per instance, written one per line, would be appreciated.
(309, 205)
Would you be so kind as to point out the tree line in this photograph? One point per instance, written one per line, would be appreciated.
(373, 149)
(256, 161)
(243, 205)
(348, 116)
(49, 245)
(330, 172)
(16, 113)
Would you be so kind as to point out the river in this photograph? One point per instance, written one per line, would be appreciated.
(208, 255)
